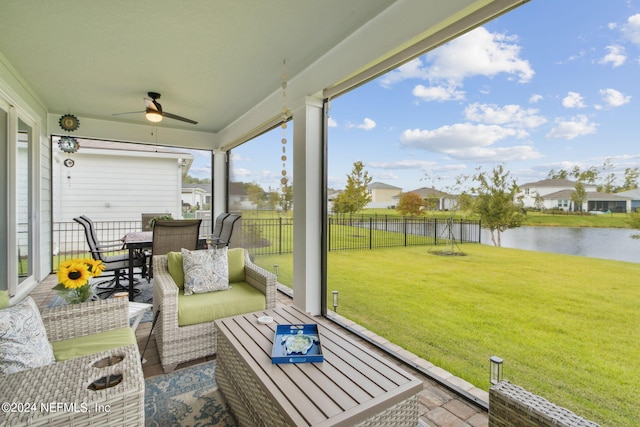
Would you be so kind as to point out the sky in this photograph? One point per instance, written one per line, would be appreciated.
(552, 84)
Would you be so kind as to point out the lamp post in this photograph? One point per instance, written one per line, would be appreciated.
(335, 300)
(495, 369)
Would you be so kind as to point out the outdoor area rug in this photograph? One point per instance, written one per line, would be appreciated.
(188, 397)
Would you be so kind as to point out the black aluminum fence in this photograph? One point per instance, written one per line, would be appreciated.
(274, 236)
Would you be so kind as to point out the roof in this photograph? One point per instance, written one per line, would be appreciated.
(425, 192)
(382, 185)
(556, 182)
(591, 196)
(634, 194)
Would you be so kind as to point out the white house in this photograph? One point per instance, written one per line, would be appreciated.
(444, 201)
(117, 181)
(197, 195)
(556, 194)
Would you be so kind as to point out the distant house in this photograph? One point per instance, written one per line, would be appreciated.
(634, 195)
(238, 197)
(438, 200)
(556, 194)
(197, 195)
(382, 195)
(114, 181)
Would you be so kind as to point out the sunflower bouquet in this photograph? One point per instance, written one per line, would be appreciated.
(73, 278)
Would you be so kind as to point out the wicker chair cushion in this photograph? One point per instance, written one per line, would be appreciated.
(235, 259)
(205, 270)
(91, 344)
(23, 344)
(204, 308)
(4, 299)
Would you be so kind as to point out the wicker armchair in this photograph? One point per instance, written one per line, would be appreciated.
(178, 344)
(61, 394)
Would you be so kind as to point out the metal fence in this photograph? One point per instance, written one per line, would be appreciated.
(274, 236)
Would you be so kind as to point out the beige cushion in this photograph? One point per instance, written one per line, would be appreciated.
(205, 270)
(95, 343)
(202, 308)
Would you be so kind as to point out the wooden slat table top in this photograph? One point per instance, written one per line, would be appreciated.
(349, 386)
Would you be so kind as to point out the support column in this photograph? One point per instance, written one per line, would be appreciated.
(307, 205)
(219, 183)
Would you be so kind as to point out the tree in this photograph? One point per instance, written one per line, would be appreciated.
(410, 204)
(634, 222)
(579, 196)
(630, 179)
(356, 194)
(496, 202)
(256, 194)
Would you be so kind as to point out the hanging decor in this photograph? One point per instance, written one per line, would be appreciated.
(285, 117)
(68, 123)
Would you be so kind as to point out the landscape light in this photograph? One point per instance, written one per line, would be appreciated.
(495, 369)
(335, 300)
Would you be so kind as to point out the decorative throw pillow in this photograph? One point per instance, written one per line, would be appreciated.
(205, 270)
(23, 338)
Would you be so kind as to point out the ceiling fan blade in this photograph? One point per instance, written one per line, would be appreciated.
(183, 119)
(153, 104)
(130, 112)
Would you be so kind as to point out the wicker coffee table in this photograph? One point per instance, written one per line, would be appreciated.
(352, 386)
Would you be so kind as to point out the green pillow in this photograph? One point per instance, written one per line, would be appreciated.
(4, 299)
(174, 264)
(236, 266)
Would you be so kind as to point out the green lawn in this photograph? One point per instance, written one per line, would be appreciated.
(566, 326)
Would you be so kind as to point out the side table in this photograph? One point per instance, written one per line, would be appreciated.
(136, 311)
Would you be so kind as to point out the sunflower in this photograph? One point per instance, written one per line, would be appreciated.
(74, 275)
(96, 267)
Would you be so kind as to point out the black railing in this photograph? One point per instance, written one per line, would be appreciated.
(274, 236)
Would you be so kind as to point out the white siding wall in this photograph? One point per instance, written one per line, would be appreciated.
(116, 187)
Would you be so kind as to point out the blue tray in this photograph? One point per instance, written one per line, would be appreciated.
(296, 344)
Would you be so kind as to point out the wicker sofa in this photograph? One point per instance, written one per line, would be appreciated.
(181, 343)
(511, 405)
(75, 391)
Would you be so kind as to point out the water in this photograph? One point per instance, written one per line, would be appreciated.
(608, 243)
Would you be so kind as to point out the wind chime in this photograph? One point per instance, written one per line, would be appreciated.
(68, 144)
(284, 118)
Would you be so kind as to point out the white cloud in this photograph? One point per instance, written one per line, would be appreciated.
(413, 69)
(509, 115)
(332, 123)
(479, 52)
(573, 100)
(403, 164)
(614, 98)
(438, 93)
(367, 124)
(572, 128)
(241, 172)
(535, 98)
(616, 56)
(631, 29)
(469, 142)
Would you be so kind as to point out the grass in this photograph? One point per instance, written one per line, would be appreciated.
(566, 326)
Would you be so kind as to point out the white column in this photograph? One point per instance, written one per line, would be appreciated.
(307, 198)
(219, 185)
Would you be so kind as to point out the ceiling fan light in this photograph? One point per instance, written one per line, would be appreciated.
(153, 115)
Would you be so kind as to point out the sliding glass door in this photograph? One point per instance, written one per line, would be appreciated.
(23, 198)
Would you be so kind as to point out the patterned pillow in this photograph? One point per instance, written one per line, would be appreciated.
(205, 270)
(23, 339)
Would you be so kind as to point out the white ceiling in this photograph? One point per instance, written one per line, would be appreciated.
(212, 61)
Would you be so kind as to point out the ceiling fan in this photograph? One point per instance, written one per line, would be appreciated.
(154, 112)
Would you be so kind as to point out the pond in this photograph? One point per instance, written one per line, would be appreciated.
(609, 243)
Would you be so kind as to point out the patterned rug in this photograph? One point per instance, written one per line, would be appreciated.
(187, 397)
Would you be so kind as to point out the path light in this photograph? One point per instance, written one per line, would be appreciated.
(275, 269)
(335, 300)
(495, 369)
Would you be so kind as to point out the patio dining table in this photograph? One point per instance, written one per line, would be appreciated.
(139, 240)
